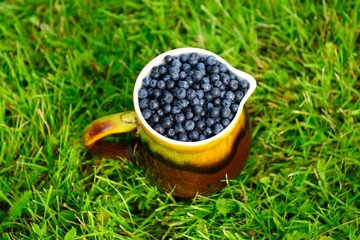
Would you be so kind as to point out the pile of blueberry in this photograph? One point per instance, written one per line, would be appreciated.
(190, 97)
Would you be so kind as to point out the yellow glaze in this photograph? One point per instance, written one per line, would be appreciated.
(201, 155)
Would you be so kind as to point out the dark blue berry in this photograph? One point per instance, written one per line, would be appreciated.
(217, 101)
(175, 109)
(168, 97)
(200, 125)
(218, 83)
(198, 110)
(179, 128)
(239, 96)
(211, 60)
(176, 63)
(215, 70)
(161, 85)
(166, 122)
(154, 118)
(208, 97)
(186, 67)
(143, 93)
(189, 125)
(226, 103)
(168, 59)
(166, 78)
(189, 114)
(207, 132)
(174, 76)
(144, 103)
(193, 135)
(167, 108)
(200, 93)
(225, 112)
(182, 103)
(146, 82)
(210, 121)
(193, 59)
(159, 129)
(184, 58)
(154, 104)
(163, 70)
(225, 122)
(205, 80)
(215, 78)
(191, 94)
(230, 96)
(170, 85)
(180, 93)
(201, 137)
(206, 87)
(215, 112)
(234, 108)
(233, 85)
(155, 73)
(198, 75)
(183, 84)
(182, 75)
(215, 92)
(217, 128)
(223, 68)
(171, 132)
(244, 84)
(200, 66)
(224, 78)
(160, 112)
(183, 138)
(179, 118)
(147, 113)
(195, 101)
(156, 93)
(153, 83)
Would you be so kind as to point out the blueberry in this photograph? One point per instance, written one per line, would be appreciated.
(232, 76)
(200, 66)
(170, 85)
(200, 125)
(191, 94)
(226, 103)
(146, 113)
(180, 93)
(168, 97)
(146, 81)
(163, 70)
(155, 73)
(224, 78)
(200, 93)
(239, 96)
(143, 93)
(174, 69)
(179, 128)
(189, 125)
(189, 114)
(154, 118)
(205, 80)
(230, 96)
(159, 129)
(195, 101)
(171, 132)
(208, 106)
(225, 112)
(215, 78)
(215, 70)
(154, 104)
(175, 109)
(182, 75)
(167, 108)
(182, 103)
(215, 112)
(186, 67)
(208, 132)
(193, 59)
(206, 87)
(190, 81)
(166, 78)
(153, 83)
(211, 60)
(210, 121)
(179, 118)
(193, 135)
(183, 84)
(176, 63)
(198, 110)
(218, 83)
(234, 108)
(156, 93)
(183, 137)
(196, 86)
(198, 75)
(244, 84)
(166, 122)
(174, 76)
(217, 128)
(233, 85)
(184, 58)
(201, 137)
(161, 85)
(215, 92)
(208, 97)
(225, 122)
(160, 112)
(190, 73)
(144, 103)
(223, 68)
(217, 101)
(168, 59)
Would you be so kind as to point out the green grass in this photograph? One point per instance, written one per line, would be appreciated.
(66, 63)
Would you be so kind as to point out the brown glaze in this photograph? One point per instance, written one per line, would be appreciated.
(189, 182)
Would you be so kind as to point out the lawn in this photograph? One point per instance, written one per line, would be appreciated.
(66, 63)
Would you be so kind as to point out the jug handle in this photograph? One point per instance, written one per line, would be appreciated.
(94, 134)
